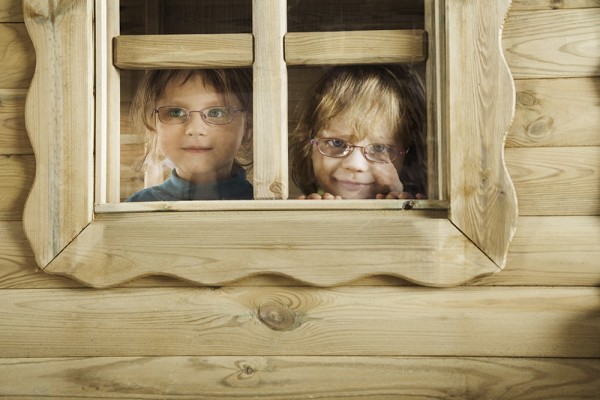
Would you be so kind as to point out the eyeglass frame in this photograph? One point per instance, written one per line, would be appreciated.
(398, 152)
(233, 111)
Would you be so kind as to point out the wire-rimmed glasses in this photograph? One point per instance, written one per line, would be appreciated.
(215, 115)
(374, 152)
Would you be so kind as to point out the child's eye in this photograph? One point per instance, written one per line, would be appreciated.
(337, 143)
(217, 113)
(380, 148)
(176, 112)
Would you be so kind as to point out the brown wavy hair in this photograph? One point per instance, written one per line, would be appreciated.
(395, 93)
(237, 82)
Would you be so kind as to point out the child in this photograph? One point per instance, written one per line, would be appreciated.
(362, 135)
(197, 120)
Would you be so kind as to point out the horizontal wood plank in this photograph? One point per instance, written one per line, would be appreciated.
(16, 177)
(551, 251)
(300, 377)
(355, 47)
(13, 135)
(420, 246)
(11, 11)
(556, 112)
(17, 57)
(549, 322)
(183, 51)
(556, 180)
(530, 5)
(553, 44)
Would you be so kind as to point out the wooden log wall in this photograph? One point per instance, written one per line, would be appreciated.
(529, 332)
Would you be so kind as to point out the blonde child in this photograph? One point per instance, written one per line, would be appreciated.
(361, 135)
(198, 120)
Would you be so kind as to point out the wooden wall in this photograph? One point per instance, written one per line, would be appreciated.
(529, 332)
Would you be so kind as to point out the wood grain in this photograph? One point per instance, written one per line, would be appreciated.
(355, 47)
(546, 251)
(477, 112)
(17, 57)
(107, 105)
(530, 5)
(301, 377)
(552, 251)
(390, 321)
(270, 114)
(13, 136)
(59, 205)
(11, 11)
(183, 51)
(556, 112)
(16, 176)
(553, 44)
(556, 180)
(420, 246)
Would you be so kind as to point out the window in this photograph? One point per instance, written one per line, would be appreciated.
(103, 244)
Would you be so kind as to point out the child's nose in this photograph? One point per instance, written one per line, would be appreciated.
(195, 125)
(356, 160)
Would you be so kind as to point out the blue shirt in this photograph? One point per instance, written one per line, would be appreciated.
(176, 189)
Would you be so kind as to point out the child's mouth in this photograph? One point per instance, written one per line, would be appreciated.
(196, 149)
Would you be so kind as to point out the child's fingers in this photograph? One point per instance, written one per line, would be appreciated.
(386, 175)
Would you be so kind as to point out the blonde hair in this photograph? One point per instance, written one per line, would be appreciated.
(236, 82)
(392, 94)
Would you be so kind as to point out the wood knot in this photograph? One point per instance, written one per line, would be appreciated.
(526, 99)
(540, 128)
(278, 316)
(276, 188)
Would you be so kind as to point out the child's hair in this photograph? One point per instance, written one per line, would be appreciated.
(152, 87)
(393, 94)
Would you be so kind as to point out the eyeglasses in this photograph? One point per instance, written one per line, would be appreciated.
(375, 152)
(211, 115)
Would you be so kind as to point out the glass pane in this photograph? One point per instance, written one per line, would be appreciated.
(140, 170)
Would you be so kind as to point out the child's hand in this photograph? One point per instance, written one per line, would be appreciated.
(386, 176)
(317, 196)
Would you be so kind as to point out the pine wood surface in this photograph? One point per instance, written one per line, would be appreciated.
(16, 175)
(17, 58)
(478, 108)
(548, 322)
(63, 82)
(300, 377)
(546, 251)
(530, 5)
(556, 180)
(13, 136)
(270, 108)
(350, 47)
(11, 11)
(162, 51)
(553, 44)
(556, 112)
(298, 243)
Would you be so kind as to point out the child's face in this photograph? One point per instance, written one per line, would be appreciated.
(201, 153)
(354, 177)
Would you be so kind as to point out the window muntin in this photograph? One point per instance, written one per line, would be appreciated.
(433, 248)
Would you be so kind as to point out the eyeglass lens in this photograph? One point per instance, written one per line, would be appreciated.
(210, 115)
(340, 148)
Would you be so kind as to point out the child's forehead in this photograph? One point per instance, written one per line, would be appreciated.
(194, 88)
(349, 128)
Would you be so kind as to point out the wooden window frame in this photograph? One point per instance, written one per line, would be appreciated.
(75, 232)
